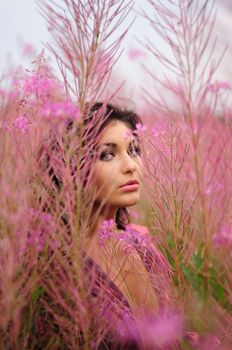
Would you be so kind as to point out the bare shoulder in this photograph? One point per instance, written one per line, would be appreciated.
(140, 228)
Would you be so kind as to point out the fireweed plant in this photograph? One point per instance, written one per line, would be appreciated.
(109, 313)
(50, 298)
(43, 221)
(188, 168)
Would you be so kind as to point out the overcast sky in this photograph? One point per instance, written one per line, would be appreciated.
(21, 23)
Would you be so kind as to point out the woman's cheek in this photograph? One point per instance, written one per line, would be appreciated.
(103, 176)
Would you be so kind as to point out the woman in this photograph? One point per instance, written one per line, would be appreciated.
(125, 275)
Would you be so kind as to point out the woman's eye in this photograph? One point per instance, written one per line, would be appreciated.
(135, 151)
(106, 156)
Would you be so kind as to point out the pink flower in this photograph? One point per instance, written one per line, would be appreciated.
(106, 231)
(159, 129)
(152, 332)
(60, 110)
(224, 237)
(28, 50)
(44, 232)
(214, 187)
(21, 123)
(155, 131)
(37, 239)
(41, 86)
(219, 85)
(136, 237)
(134, 54)
(141, 128)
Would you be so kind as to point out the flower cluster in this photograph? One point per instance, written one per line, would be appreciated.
(153, 332)
(21, 123)
(106, 231)
(61, 110)
(42, 232)
(224, 237)
(140, 128)
(28, 50)
(214, 187)
(160, 129)
(38, 85)
(128, 237)
(135, 237)
(135, 54)
(219, 85)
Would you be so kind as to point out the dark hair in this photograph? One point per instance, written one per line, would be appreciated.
(94, 119)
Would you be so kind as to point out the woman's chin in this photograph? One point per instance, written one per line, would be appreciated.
(130, 201)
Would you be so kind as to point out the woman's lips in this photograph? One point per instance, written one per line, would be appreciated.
(130, 186)
(131, 182)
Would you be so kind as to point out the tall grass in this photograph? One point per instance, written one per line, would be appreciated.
(188, 165)
(44, 216)
(49, 297)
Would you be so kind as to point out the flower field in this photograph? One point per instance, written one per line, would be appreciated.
(187, 182)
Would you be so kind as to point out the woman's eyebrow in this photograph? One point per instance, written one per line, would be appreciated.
(110, 144)
(114, 145)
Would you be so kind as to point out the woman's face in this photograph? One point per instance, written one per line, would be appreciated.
(118, 163)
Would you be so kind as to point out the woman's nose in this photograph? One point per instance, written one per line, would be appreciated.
(129, 165)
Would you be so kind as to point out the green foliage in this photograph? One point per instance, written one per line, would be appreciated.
(206, 285)
(168, 251)
(205, 281)
(38, 292)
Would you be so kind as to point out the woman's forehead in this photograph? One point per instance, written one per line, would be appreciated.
(117, 132)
